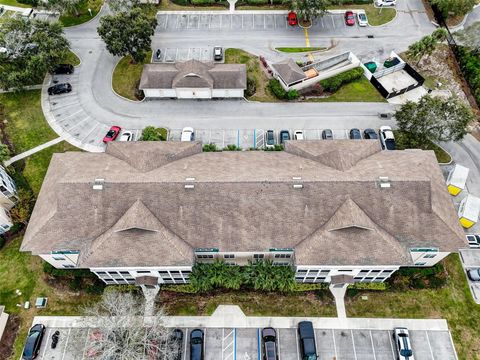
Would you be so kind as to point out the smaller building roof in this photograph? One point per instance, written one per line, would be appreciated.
(194, 74)
(289, 71)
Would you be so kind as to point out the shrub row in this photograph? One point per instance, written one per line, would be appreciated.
(375, 286)
(71, 273)
(470, 64)
(280, 92)
(336, 82)
(419, 278)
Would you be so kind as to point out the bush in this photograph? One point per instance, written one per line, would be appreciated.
(33, 3)
(374, 286)
(203, 2)
(151, 133)
(419, 278)
(251, 87)
(277, 89)
(336, 82)
(75, 284)
(181, 2)
(133, 289)
(95, 288)
(71, 273)
(301, 287)
(231, 147)
(292, 95)
(2, 242)
(470, 65)
(210, 147)
(186, 289)
(257, 2)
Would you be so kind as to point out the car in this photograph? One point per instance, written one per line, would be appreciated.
(474, 274)
(306, 336)
(292, 18)
(349, 18)
(369, 134)
(355, 134)
(385, 2)
(269, 139)
(402, 342)
(61, 69)
(187, 134)
(177, 337)
(298, 135)
(284, 136)
(112, 134)
(57, 89)
(196, 344)
(217, 53)
(34, 341)
(362, 18)
(269, 338)
(126, 136)
(387, 139)
(327, 134)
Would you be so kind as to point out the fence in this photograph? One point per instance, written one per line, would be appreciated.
(402, 66)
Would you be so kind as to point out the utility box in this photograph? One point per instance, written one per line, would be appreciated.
(468, 211)
(457, 179)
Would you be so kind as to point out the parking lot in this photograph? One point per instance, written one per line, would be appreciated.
(174, 21)
(245, 344)
(181, 54)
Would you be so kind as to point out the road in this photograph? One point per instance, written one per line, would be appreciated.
(83, 116)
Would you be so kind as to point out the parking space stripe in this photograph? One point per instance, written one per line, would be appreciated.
(46, 346)
(234, 344)
(333, 22)
(278, 344)
(391, 345)
(429, 345)
(298, 348)
(353, 343)
(373, 346)
(334, 344)
(166, 22)
(85, 345)
(66, 343)
(185, 347)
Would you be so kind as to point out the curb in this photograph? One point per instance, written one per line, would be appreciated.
(86, 22)
(118, 95)
(451, 157)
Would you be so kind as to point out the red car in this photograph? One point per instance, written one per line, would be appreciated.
(112, 134)
(292, 18)
(349, 18)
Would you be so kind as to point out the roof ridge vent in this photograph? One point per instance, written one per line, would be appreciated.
(98, 184)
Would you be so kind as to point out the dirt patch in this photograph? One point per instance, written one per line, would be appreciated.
(9, 335)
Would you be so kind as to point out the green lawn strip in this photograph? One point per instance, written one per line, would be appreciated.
(71, 58)
(254, 71)
(14, 3)
(253, 303)
(442, 155)
(357, 91)
(166, 5)
(376, 16)
(83, 14)
(453, 302)
(298, 49)
(126, 76)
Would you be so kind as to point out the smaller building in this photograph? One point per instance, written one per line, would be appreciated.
(193, 79)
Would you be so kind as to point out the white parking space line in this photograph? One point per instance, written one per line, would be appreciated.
(353, 343)
(373, 346)
(185, 347)
(278, 344)
(429, 345)
(298, 347)
(334, 344)
(66, 343)
(391, 344)
(46, 345)
(85, 344)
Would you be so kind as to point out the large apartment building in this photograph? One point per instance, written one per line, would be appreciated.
(327, 208)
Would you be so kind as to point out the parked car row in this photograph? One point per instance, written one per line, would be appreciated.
(361, 18)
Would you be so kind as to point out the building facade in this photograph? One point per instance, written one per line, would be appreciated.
(154, 209)
(8, 199)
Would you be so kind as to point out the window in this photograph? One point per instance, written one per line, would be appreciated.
(68, 266)
(369, 278)
(344, 270)
(363, 272)
(282, 256)
(324, 271)
(101, 273)
(420, 264)
(429, 256)
(357, 278)
(228, 256)
(164, 273)
(108, 280)
(143, 271)
(199, 256)
(302, 271)
(112, 273)
(281, 263)
(299, 278)
(375, 271)
(387, 272)
(58, 257)
(313, 273)
(175, 272)
(258, 256)
(124, 272)
(178, 279)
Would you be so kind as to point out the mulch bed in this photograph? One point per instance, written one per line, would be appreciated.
(8, 338)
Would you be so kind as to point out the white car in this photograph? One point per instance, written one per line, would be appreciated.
(362, 18)
(385, 2)
(126, 136)
(298, 135)
(387, 139)
(187, 134)
(402, 342)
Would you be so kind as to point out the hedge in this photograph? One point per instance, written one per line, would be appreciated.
(181, 2)
(71, 273)
(181, 288)
(279, 92)
(336, 82)
(203, 2)
(376, 286)
(257, 2)
(470, 65)
(301, 287)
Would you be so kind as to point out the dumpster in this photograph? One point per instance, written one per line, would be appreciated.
(391, 62)
(468, 211)
(371, 66)
(457, 178)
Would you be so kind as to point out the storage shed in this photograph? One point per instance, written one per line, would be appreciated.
(457, 179)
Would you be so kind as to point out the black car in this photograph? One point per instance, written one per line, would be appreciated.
(177, 337)
(34, 341)
(61, 69)
(269, 337)
(269, 139)
(196, 344)
(306, 336)
(284, 136)
(370, 134)
(327, 134)
(355, 134)
(59, 89)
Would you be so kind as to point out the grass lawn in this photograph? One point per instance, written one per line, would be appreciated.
(166, 5)
(255, 71)
(298, 49)
(72, 59)
(375, 16)
(126, 76)
(442, 155)
(14, 3)
(252, 303)
(357, 91)
(83, 14)
(23, 271)
(453, 302)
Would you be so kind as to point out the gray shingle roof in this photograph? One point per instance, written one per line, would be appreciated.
(194, 74)
(244, 201)
(289, 71)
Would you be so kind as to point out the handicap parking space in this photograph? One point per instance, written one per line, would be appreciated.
(247, 344)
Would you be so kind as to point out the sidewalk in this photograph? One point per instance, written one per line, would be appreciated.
(32, 151)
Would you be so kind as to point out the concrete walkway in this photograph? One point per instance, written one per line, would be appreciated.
(338, 292)
(33, 151)
(231, 316)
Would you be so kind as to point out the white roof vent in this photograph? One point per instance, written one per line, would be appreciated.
(189, 186)
(190, 179)
(384, 182)
(98, 184)
(297, 186)
(297, 178)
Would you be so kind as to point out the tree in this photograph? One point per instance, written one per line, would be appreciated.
(434, 119)
(123, 332)
(308, 10)
(30, 48)
(123, 5)
(426, 45)
(151, 133)
(128, 33)
(470, 36)
(454, 7)
(65, 6)
(20, 213)
(4, 153)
